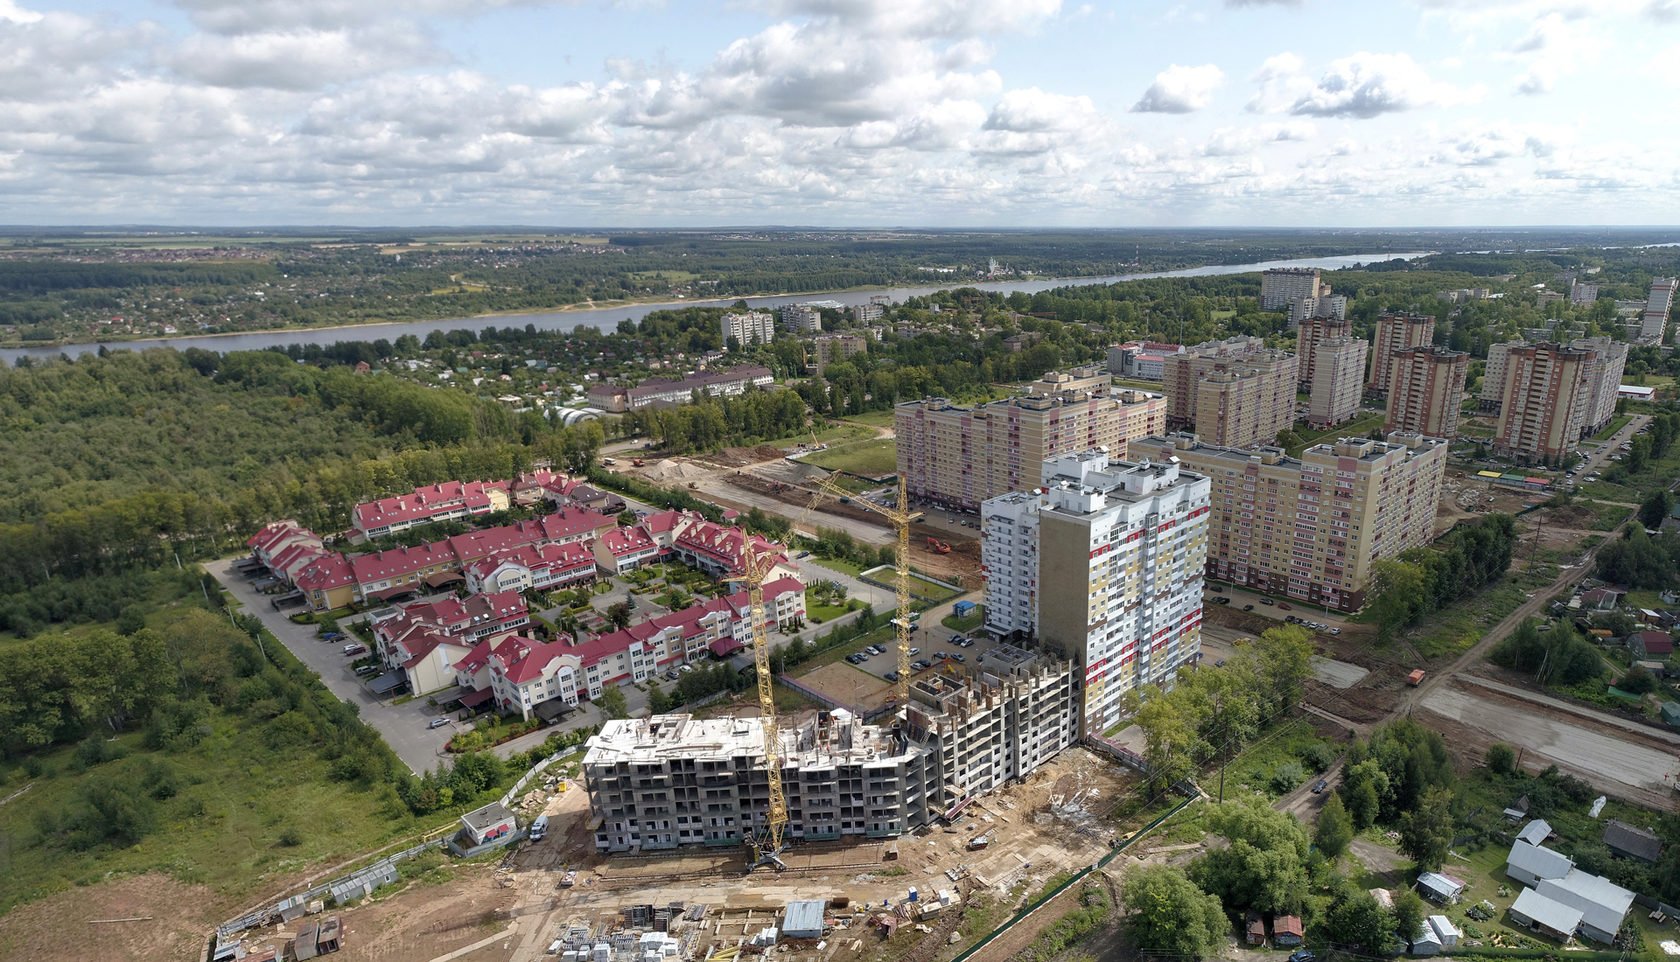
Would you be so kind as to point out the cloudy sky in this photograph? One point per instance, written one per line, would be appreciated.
(1316, 113)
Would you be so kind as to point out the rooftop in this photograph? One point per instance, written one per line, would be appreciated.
(844, 740)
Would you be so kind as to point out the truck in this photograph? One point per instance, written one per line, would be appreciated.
(1415, 678)
(979, 842)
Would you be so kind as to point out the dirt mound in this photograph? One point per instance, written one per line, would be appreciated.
(674, 470)
(180, 919)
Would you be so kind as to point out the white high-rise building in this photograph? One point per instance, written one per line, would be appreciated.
(1105, 564)
(1281, 286)
(801, 318)
(753, 327)
(1653, 323)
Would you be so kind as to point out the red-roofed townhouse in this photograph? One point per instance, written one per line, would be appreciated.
(716, 549)
(327, 583)
(449, 501)
(474, 617)
(574, 524)
(276, 538)
(532, 568)
(663, 527)
(533, 486)
(477, 545)
(638, 652)
(521, 678)
(425, 655)
(472, 672)
(625, 549)
(386, 574)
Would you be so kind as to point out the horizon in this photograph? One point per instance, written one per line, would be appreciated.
(1403, 113)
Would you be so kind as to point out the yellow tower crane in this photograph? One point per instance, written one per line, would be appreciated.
(767, 846)
(899, 517)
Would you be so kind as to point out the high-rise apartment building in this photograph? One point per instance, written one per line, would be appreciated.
(869, 313)
(1280, 286)
(1493, 376)
(1309, 335)
(958, 456)
(673, 780)
(801, 318)
(753, 327)
(1426, 391)
(1249, 408)
(1604, 380)
(1394, 332)
(1653, 323)
(1580, 293)
(1310, 528)
(1337, 384)
(1302, 309)
(1548, 388)
(1105, 562)
(826, 349)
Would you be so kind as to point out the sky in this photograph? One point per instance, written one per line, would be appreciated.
(842, 113)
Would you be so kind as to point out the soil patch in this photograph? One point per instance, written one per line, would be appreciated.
(62, 926)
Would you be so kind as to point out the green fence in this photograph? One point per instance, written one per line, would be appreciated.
(1076, 879)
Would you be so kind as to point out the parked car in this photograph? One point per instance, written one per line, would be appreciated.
(438, 723)
(915, 651)
(940, 656)
(685, 668)
(1286, 606)
(1320, 787)
(1302, 955)
(892, 676)
(1248, 607)
(920, 665)
(355, 649)
(875, 650)
(1267, 601)
(853, 660)
(1335, 631)
(959, 656)
(966, 643)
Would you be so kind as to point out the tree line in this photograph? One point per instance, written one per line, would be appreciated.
(1422, 580)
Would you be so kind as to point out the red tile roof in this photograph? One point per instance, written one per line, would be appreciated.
(424, 503)
(324, 573)
(623, 541)
(396, 562)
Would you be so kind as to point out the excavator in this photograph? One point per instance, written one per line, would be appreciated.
(937, 546)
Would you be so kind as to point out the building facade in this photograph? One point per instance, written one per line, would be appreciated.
(1547, 388)
(1105, 563)
(1604, 380)
(1493, 376)
(1310, 528)
(1653, 321)
(1312, 332)
(828, 349)
(799, 319)
(957, 457)
(1337, 383)
(617, 398)
(1396, 331)
(752, 327)
(1282, 285)
(1302, 309)
(1250, 406)
(1426, 391)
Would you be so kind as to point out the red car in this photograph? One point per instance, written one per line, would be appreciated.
(1286, 606)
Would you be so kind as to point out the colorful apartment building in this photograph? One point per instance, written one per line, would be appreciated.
(1337, 382)
(1396, 331)
(1248, 390)
(1426, 391)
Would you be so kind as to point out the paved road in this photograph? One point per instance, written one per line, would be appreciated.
(403, 726)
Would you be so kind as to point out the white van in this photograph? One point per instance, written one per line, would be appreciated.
(539, 828)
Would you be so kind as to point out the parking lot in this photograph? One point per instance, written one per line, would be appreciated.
(1281, 609)
(929, 643)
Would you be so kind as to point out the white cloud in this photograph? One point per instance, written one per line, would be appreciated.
(1537, 80)
(10, 11)
(1032, 110)
(300, 59)
(1181, 90)
(1368, 85)
(263, 16)
(1663, 11)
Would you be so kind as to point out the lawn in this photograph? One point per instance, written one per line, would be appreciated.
(838, 564)
(821, 614)
(921, 587)
(969, 622)
(1460, 625)
(874, 458)
(1357, 428)
(832, 433)
(1289, 744)
(1616, 424)
(1607, 517)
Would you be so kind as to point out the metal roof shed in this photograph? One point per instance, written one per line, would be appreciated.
(803, 920)
(1535, 832)
(1539, 912)
(1529, 864)
(387, 683)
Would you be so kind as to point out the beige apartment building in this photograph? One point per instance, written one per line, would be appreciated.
(1548, 390)
(1314, 331)
(826, 349)
(1396, 331)
(957, 456)
(1426, 391)
(1310, 528)
(1337, 383)
(1250, 406)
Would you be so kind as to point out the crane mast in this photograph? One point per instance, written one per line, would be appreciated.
(767, 847)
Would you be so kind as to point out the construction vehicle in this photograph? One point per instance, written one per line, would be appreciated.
(937, 546)
(979, 842)
(900, 519)
(1415, 678)
(636, 461)
(694, 485)
(767, 845)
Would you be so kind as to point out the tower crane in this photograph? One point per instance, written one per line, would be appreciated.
(899, 517)
(767, 846)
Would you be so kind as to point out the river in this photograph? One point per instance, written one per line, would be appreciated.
(607, 318)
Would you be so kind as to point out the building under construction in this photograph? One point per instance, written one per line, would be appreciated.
(674, 780)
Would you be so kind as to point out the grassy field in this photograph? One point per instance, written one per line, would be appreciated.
(1357, 428)
(235, 805)
(971, 621)
(1607, 517)
(1457, 627)
(834, 433)
(877, 419)
(1616, 424)
(873, 458)
(918, 586)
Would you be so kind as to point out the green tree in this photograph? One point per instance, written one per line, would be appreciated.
(1363, 788)
(1409, 913)
(611, 702)
(618, 613)
(1356, 919)
(1170, 915)
(658, 702)
(1426, 831)
(1335, 828)
(1396, 590)
(1264, 865)
(1501, 759)
(1655, 508)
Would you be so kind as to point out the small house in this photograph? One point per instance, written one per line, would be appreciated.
(1518, 809)
(1649, 644)
(1538, 913)
(1602, 903)
(1440, 888)
(1425, 942)
(1601, 599)
(488, 823)
(1287, 930)
(1631, 841)
(1671, 713)
(1255, 929)
(1535, 832)
(1529, 864)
